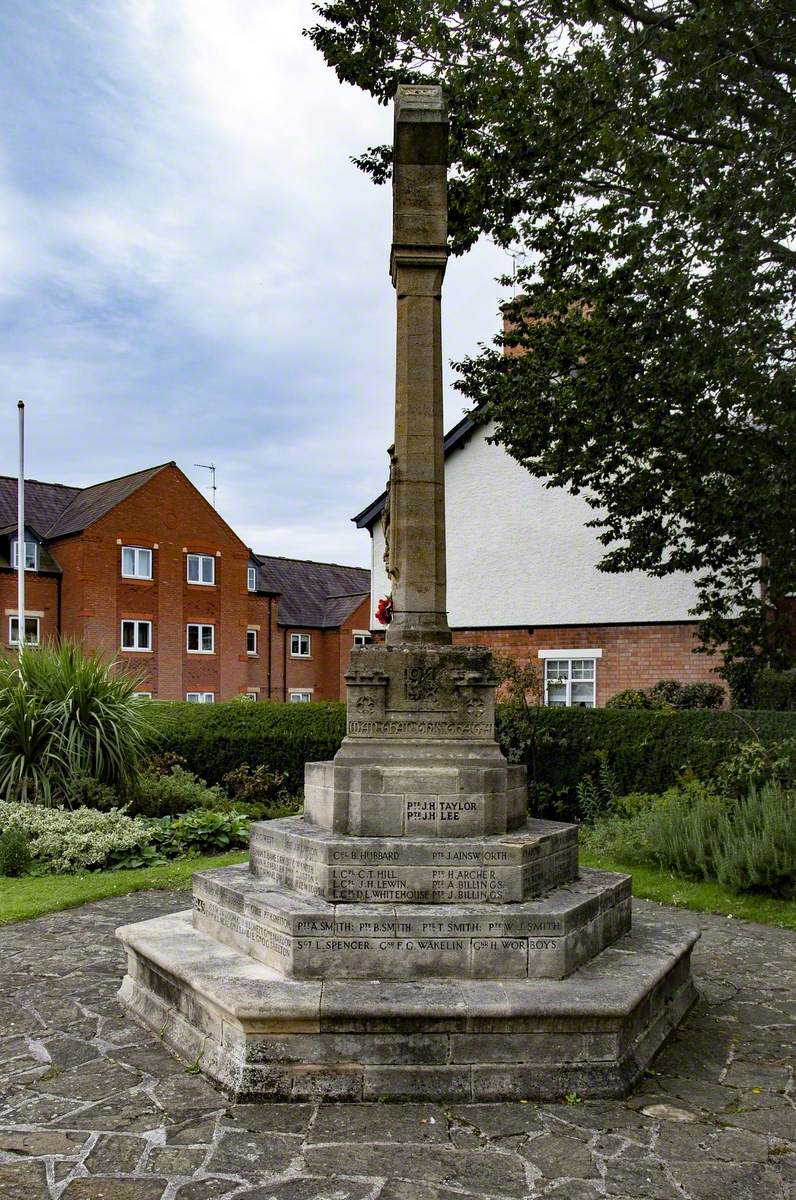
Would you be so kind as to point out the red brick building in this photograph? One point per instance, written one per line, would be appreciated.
(144, 568)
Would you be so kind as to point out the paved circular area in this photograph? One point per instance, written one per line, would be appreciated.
(93, 1108)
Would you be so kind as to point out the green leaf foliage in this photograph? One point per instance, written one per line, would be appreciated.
(774, 690)
(746, 843)
(637, 160)
(647, 751)
(15, 856)
(172, 794)
(216, 739)
(67, 716)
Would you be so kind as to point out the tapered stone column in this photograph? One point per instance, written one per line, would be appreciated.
(416, 562)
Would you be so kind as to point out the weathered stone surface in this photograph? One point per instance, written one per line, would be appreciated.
(175, 1160)
(718, 1180)
(386, 1122)
(115, 1152)
(460, 796)
(416, 559)
(23, 1181)
(112, 1188)
(747, 979)
(37, 1142)
(462, 1040)
(305, 939)
(310, 1189)
(255, 1154)
(211, 1188)
(431, 705)
(498, 869)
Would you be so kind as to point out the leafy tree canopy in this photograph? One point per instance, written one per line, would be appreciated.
(637, 157)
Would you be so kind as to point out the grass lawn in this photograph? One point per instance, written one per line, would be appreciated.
(652, 884)
(32, 896)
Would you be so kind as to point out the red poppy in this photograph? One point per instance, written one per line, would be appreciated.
(384, 610)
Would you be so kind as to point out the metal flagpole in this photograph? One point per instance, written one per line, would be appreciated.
(21, 530)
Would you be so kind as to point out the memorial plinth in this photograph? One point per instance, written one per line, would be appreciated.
(414, 934)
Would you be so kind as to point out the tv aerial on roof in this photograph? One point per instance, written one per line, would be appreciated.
(211, 467)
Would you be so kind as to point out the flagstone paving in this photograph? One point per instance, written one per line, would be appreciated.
(93, 1108)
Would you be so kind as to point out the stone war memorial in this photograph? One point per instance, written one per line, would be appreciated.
(414, 934)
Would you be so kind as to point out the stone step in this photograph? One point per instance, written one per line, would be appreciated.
(545, 938)
(480, 795)
(261, 1037)
(499, 869)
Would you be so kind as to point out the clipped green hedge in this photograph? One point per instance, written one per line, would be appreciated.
(217, 738)
(646, 750)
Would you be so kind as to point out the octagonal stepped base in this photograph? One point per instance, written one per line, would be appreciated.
(312, 939)
(260, 1036)
(496, 869)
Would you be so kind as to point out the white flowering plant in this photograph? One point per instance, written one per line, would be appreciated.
(63, 842)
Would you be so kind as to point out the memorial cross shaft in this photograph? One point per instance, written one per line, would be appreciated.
(416, 557)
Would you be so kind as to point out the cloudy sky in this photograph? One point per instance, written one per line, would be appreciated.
(191, 268)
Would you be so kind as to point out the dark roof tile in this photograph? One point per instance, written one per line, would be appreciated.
(55, 510)
(319, 595)
(44, 502)
(94, 502)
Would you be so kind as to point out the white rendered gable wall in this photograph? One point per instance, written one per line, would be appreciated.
(520, 554)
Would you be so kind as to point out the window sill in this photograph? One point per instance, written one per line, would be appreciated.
(197, 583)
(202, 653)
(138, 578)
(134, 650)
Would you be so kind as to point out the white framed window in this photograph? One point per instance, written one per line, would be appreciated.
(570, 678)
(143, 695)
(31, 555)
(251, 579)
(296, 697)
(201, 639)
(362, 637)
(248, 696)
(32, 631)
(136, 562)
(136, 635)
(200, 697)
(251, 641)
(202, 569)
(300, 645)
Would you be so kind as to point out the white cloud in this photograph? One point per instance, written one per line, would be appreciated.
(209, 281)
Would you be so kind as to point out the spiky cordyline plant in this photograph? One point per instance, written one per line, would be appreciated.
(77, 711)
(28, 756)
